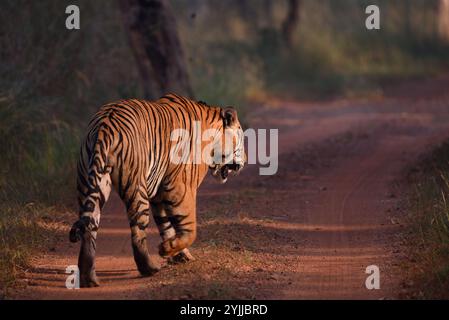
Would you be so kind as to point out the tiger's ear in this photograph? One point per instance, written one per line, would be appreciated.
(229, 115)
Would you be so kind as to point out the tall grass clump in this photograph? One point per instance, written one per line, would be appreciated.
(429, 221)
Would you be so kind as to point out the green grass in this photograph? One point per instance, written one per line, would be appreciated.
(429, 221)
(37, 180)
(20, 236)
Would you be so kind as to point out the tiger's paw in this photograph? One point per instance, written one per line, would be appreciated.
(182, 257)
(89, 281)
(148, 269)
(169, 248)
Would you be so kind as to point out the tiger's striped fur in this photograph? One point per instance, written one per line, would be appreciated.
(128, 146)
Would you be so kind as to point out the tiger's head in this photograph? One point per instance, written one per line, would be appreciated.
(229, 154)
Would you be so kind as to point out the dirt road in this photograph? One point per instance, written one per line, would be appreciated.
(307, 232)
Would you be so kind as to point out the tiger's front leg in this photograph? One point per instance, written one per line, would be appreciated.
(177, 245)
(182, 257)
(177, 227)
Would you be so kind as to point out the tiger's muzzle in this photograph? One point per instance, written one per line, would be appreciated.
(221, 172)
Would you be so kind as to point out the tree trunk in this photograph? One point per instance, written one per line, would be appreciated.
(153, 37)
(408, 19)
(443, 20)
(267, 8)
(290, 22)
(256, 15)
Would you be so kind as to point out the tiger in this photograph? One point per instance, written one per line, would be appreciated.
(128, 147)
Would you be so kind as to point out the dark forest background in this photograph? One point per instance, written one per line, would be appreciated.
(236, 52)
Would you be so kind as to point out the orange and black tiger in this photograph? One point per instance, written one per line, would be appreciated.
(130, 145)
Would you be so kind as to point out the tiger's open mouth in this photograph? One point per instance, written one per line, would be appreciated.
(222, 172)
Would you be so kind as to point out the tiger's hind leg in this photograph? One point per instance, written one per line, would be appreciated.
(138, 208)
(86, 258)
(85, 229)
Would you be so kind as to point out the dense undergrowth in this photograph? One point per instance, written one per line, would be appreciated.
(429, 222)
